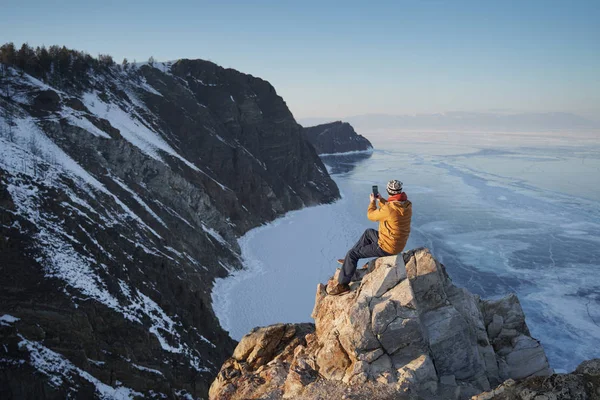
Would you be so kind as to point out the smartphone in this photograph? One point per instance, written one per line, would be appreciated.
(375, 191)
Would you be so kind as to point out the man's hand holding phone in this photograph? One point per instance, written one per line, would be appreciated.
(375, 193)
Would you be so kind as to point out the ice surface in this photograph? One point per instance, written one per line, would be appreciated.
(497, 229)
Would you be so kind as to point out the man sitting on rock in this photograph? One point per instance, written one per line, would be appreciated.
(394, 227)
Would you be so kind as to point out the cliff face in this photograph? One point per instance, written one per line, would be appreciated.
(336, 137)
(404, 329)
(122, 193)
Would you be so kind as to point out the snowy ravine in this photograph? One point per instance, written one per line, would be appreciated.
(497, 230)
(121, 197)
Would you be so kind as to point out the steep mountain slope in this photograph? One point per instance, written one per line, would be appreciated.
(336, 137)
(122, 192)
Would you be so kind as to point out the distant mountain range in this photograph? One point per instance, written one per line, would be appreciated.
(459, 120)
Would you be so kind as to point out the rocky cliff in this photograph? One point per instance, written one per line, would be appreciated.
(122, 192)
(336, 137)
(404, 330)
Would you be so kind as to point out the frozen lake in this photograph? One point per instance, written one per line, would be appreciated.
(504, 213)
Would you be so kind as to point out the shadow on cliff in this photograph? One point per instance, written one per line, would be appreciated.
(344, 163)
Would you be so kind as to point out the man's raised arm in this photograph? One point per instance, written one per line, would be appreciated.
(375, 214)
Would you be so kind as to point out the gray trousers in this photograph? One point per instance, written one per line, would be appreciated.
(366, 247)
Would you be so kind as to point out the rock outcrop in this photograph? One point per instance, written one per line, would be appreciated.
(581, 384)
(336, 137)
(403, 329)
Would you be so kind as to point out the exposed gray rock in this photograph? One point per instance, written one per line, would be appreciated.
(526, 355)
(449, 380)
(495, 326)
(518, 354)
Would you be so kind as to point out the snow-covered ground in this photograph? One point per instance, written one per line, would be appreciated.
(502, 215)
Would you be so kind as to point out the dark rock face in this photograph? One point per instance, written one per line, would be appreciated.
(336, 137)
(120, 203)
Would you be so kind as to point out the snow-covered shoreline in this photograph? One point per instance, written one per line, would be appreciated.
(257, 265)
(347, 153)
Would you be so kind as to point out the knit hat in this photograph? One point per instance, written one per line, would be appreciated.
(394, 187)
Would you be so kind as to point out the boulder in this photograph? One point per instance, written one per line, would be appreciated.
(46, 100)
(517, 353)
(261, 363)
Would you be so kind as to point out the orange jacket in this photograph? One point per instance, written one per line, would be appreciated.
(394, 223)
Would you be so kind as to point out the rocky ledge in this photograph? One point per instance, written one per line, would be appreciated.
(403, 331)
(336, 137)
(581, 384)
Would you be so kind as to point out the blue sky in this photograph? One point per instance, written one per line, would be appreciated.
(336, 59)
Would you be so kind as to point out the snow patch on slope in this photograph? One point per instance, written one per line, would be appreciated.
(16, 159)
(136, 132)
(133, 131)
(80, 272)
(138, 199)
(79, 121)
(58, 256)
(146, 369)
(7, 320)
(215, 235)
(59, 369)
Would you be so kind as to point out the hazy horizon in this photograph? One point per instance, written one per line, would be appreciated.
(488, 122)
(328, 61)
